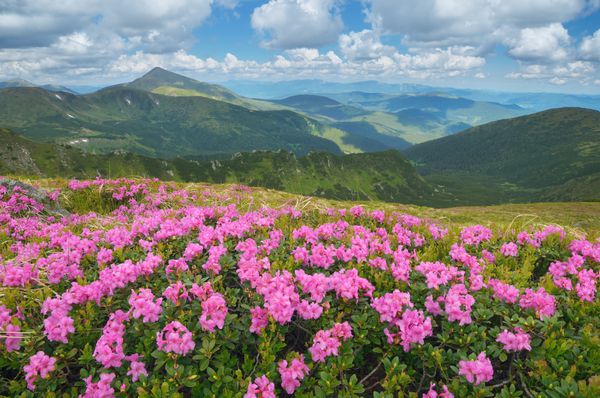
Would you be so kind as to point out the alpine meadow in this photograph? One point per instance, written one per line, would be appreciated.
(307, 198)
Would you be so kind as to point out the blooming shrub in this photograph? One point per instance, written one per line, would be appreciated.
(153, 291)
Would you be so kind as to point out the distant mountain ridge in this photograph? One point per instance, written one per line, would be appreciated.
(26, 83)
(545, 153)
(120, 117)
(384, 176)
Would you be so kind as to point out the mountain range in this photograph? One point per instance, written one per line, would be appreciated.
(342, 145)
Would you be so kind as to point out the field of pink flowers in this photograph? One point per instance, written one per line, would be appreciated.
(148, 290)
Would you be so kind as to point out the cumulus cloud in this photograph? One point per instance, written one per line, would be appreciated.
(547, 42)
(531, 31)
(298, 23)
(478, 23)
(365, 44)
(590, 47)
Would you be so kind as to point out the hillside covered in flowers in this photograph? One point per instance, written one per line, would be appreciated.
(150, 289)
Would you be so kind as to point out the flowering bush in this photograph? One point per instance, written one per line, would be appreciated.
(153, 291)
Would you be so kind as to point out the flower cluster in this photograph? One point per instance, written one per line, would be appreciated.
(477, 371)
(327, 342)
(175, 338)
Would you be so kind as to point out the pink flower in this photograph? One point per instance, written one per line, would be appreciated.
(458, 303)
(390, 305)
(259, 319)
(176, 265)
(175, 338)
(517, 341)
(13, 337)
(40, 365)
(57, 326)
(414, 327)
(214, 311)
(192, 251)
(109, 347)
(586, 287)
(175, 292)
(308, 310)
(104, 256)
(101, 388)
(543, 303)
(475, 234)
(433, 306)
(503, 291)
(327, 342)
(509, 249)
(143, 305)
(477, 371)
(292, 375)
(261, 388)
(437, 274)
(433, 394)
(136, 367)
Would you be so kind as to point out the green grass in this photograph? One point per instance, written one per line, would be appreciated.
(578, 218)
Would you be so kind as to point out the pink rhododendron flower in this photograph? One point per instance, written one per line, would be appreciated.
(109, 347)
(391, 305)
(144, 306)
(434, 394)
(503, 291)
(261, 388)
(586, 287)
(136, 367)
(40, 365)
(13, 337)
(214, 311)
(177, 265)
(437, 274)
(100, 389)
(514, 341)
(477, 371)
(327, 342)
(509, 249)
(458, 303)
(259, 319)
(539, 300)
(413, 328)
(475, 234)
(292, 375)
(175, 338)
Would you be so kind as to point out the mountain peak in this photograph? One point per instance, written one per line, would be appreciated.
(162, 81)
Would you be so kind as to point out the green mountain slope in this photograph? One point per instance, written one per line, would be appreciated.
(552, 154)
(155, 125)
(317, 105)
(384, 176)
(165, 82)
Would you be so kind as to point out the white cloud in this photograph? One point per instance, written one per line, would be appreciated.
(159, 24)
(478, 23)
(301, 62)
(590, 47)
(298, 23)
(548, 42)
(557, 81)
(557, 74)
(365, 44)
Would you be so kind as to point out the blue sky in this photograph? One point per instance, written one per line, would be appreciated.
(518, 45)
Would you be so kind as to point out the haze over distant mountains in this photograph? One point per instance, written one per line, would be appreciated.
(174, 127)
